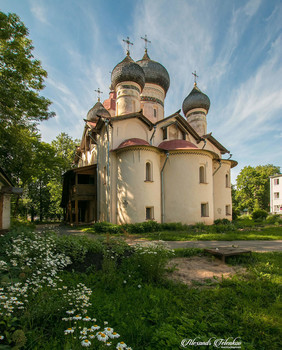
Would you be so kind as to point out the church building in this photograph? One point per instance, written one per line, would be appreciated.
(134, 163)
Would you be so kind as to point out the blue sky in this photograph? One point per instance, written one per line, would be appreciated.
(234, 45)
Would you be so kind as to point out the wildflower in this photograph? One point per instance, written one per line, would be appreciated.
(70, 312)
(124, 282)
(106, 322)
(121, 346)
(114, 335)
(91, 336)
(77, 317)
(69, 330)
(102, 336)
(86, 318)
(108, 330)
(108, 343)
(95, 327)
(1, 337)
(139, 286)
(85, 343)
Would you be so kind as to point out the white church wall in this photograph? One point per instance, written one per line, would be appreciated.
(184, 194)
(152, 98)
(134, 193)
(222, 191)
(127, 129)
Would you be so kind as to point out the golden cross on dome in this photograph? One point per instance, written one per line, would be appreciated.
(195, 78)
(127, 41)
(98, 92)
(146, 41)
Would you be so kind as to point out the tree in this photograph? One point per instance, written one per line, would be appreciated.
(21, 76)
(253, 187)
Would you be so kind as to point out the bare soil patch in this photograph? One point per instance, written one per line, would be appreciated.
(203, 271)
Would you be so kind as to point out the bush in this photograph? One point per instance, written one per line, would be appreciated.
(107, 227)
(259, 214)
(272, 219)
(222, 222)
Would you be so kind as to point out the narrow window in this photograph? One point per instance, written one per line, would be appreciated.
(204, 210)
(149, 176)
(117, 109)
(149, 213)
(227, 182)
(202, 174)
(164, 133)
(276, 195)
(183, 135)
(227, 210)
(104, 175)
(155, 112)
(276, 181)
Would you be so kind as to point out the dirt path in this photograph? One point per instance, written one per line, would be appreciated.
(255, 246)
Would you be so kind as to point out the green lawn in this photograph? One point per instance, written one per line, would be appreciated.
(127, 288)
(260, 233)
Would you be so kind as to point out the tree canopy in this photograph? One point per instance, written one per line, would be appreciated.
(21, 76)
(253, 187)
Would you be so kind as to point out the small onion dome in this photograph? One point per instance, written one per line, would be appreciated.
(155, 73)
(128, 70)
(173, 145)
(133, 142)
(97, 109)
(196, 99)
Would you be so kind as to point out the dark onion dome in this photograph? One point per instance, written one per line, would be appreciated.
(155, 73)
(196, 99)
(173, 145)
(128, 70)
(133, 142)
(97, 110)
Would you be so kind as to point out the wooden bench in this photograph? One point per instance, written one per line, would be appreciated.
(227, 251)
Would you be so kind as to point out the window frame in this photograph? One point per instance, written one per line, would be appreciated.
(205, 210)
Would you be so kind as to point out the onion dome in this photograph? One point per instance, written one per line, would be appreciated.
(173, 145)
(155, 73)
(196, 99)
(97, 110)
(128, 70)
(133, 142)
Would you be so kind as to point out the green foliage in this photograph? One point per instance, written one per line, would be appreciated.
(253, 187)
(259, 214)
(21, 76)
(150, 312)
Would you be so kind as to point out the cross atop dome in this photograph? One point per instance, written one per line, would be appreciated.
(146, 42)
(127, 41)
(99, 92)
(195, 78)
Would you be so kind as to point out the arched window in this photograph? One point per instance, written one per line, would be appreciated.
(227, 183)
(202, 174)
(149, 176)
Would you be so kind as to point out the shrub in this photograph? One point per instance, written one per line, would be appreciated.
(106, 227)
(222, 222)
(259, 214)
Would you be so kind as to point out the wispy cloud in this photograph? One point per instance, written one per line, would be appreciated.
(39, 11)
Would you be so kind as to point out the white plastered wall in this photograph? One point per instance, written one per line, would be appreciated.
(183, 191)
(222, 190)
(134, 194)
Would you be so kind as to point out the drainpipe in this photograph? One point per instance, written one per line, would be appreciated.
(155, 128)
(217, 168)
(205, 142)
(108, 171)
(98, 180)
(162, 188)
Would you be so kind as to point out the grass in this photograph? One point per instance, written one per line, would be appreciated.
(150, 312)
(243, 229)
(255, 233)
